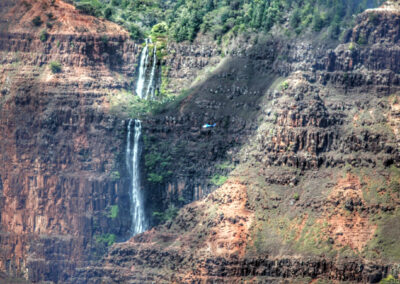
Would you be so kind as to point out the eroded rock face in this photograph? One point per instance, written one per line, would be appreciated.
(305, 174)
(59, 146)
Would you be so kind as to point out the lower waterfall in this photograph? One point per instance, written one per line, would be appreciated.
(133, 165)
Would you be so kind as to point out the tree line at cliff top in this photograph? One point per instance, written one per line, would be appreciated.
(184, 19)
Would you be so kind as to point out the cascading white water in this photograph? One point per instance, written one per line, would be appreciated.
(144, 60)
(145, 86)
(133, 163)
(150, 88)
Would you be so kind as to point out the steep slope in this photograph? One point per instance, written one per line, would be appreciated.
(315, 190)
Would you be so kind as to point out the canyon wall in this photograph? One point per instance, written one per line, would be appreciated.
(313, 193)
(59, 145)
(300, 127)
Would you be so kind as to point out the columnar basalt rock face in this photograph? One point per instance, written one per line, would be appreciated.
(59, 146)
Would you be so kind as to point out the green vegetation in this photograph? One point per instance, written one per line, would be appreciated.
(43, 35)
(125, 103)
(284, 85)
(390, 280)
(157, 160)
(296, 196)
(218, 180)
(167, 215)
(115, 175)
(55, 67)
(114, 210)
(184, 19)
(105, 239)
(224, 166)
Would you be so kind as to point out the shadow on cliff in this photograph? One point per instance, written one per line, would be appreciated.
(193, 160)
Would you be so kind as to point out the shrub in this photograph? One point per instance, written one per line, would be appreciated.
(43, 35)
(55, 67)
(285, 85)
(218, 180)
(104, 39)
(395, 186)
(390, 280)
(37, 21)
(159, 29)
(154, 178)
(89, 9)
(362, 39)
(115, 175)
(135, 32)
(108, 12)
(296, 196)
(167, 215)
(317, 22)
(114, 210)
(107, 239)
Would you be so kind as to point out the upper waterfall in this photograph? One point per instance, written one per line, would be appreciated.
(147, 77)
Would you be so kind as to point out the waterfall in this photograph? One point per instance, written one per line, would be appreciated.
(132, 162)
(145, 86)
(144, 58)
(150, 87)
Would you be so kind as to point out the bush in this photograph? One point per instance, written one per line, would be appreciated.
(135, 32)
(107, 239)
(43, 35)
(390, 280)
(296, 196)
(37, 21)
(114, 210)
(55, 67)
(394, 186)
(108, 12)
(50, 16)
(218, 180)
(285, 85)
(154, 178)
(167, 215)
(115, 175)
(89, 9)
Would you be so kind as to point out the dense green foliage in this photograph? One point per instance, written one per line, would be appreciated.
(105, 239)
(157, 160)
(185, 18)
(218, 180)
(55, 67)
(167, 215)
(114, 210)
